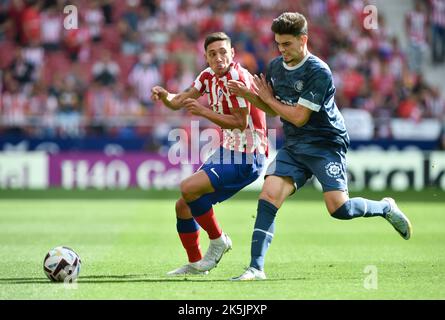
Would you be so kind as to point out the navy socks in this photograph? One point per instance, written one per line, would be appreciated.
(263, 233)
(361, 207)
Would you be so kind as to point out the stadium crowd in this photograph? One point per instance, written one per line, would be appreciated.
(96, 79)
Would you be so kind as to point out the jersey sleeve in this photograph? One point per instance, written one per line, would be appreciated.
(268, 76)
(199, 83)
(314, 91)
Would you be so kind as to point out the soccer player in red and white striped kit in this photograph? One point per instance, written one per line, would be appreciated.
(237, 163)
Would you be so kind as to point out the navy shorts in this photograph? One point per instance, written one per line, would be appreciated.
(327, 164)
(230, 171)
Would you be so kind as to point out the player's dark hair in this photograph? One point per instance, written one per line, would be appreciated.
(293, 23)
(216, 36)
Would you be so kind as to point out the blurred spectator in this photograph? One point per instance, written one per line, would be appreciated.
(5, 21)
(184, 79)
(416, 26)
(51, 29)
(409, 108)
(34, 54)
(245, 58)
(31, 22)
(144, 76)
(77, 41)
(383, 81)
(105, 71)
(107, 10)
(147, 24)
(129, 105)
(352, 84)
(21, 70)
(130, 41)
(98, 101)
(69, 112)
(437, 17)
(94, 19)
(130, 15)
(42, 111)
(383, 116)
(16, 14)
(435, 103)
(372, 74)
(13, 107)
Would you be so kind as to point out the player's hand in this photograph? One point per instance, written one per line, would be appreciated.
(194, 107)
(263, 89)
(237, 88)
(158, 93)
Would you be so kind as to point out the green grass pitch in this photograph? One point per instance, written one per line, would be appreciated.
(128, 244)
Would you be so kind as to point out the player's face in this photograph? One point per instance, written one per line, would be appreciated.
(219, 56)
(291, 47)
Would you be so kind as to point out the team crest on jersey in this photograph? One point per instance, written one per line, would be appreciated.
(220, 92)
(298, 85)
(333, 169)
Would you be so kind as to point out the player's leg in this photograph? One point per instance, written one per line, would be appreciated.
(194, 209)
(275, 190)
(282, 177)
(188, 231)
(194, 191)
(329, 166)
(192, 201)
(227, 179)
(341, 207)
(198, 191)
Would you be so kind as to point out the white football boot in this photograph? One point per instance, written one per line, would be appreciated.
(250, 274)
(214, 253)
(188, 269)
(398, 220)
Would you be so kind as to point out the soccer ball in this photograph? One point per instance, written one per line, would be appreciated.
(62, 264)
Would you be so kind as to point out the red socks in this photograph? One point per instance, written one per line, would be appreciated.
(208, 222)
(190, 241)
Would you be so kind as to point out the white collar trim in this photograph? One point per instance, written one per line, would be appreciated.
(299, 64)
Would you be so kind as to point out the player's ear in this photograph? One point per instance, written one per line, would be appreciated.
(304, 38)
(233, 52)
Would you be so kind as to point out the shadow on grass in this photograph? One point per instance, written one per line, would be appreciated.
(129, 278)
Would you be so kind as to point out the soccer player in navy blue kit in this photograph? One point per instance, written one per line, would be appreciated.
(299, 88)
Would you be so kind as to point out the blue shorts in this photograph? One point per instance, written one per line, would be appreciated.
(230, 171)
(327, 164)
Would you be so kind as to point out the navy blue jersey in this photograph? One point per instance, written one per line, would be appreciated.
(309, 84)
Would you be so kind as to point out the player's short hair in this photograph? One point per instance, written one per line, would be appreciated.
(216, 36)
(293, 23)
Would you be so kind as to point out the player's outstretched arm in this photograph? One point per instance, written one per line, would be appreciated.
(239, 89)
(174, 101)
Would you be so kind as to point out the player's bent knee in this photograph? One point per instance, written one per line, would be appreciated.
(343, 212)
(182, 209)
(270, 196)
(187, 192)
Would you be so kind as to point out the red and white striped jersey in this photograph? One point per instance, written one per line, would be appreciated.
(417, 26)
(254, 137)
(438, 12)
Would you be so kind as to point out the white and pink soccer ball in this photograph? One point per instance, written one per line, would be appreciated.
(62, 264)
